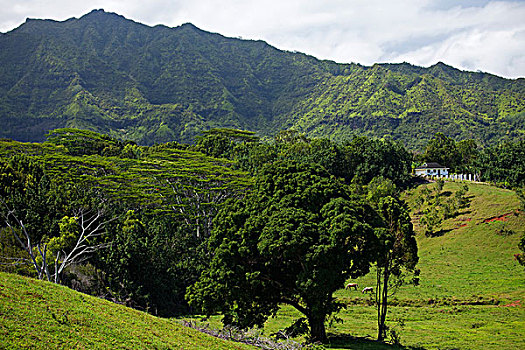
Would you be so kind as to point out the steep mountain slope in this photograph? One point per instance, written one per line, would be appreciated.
(153, 84)
(412, 104)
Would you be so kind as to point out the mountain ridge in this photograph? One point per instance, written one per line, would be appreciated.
(109, 74)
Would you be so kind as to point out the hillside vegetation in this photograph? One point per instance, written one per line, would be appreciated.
(41, 315)
(155, 84)
(155, 203)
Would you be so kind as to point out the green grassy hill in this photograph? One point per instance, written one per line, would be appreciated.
(474, 256)
(472, 290)
(40, 315)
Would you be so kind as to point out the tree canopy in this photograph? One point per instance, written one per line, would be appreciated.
(294, 239)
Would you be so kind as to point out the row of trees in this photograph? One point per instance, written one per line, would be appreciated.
(356, 161)
(360, 159)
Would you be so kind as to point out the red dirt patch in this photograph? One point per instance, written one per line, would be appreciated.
(464, 224)
(503, 217)
(516, 303)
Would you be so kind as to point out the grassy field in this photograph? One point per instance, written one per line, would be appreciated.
(41, 315)
(472, 290)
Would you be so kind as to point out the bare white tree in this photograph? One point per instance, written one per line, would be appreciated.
(198, 203)
(90, 224)
(25, 242)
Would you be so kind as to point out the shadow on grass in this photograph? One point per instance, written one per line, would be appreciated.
(439, 233)
(341, 341)
(464, 212)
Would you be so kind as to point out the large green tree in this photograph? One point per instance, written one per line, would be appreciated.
(294, 239)
(443, 149)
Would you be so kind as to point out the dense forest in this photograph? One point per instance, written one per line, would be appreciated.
(107, 74)
(169, 228)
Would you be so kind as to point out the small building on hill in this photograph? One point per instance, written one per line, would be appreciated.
(431, 169)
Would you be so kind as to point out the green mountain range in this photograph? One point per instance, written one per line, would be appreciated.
(109, 74)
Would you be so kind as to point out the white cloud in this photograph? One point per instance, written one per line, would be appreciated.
(475, 50)
(470, 34)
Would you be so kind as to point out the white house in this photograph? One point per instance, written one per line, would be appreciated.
(431, 169)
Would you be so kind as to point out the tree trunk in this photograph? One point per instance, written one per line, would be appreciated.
(317, 329)
(382, 304)
(379, 290)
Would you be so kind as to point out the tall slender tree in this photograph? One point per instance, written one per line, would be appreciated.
(397, 256)
(397, 249)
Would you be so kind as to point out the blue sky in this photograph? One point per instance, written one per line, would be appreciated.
(472, 35)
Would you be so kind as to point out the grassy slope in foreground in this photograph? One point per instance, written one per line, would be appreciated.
(41, 315)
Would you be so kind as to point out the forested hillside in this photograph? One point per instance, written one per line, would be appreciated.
(155, 84)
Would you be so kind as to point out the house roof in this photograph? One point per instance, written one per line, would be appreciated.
(432, 166)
